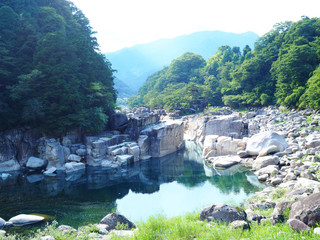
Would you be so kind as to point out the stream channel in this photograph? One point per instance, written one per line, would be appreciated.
(173, 185)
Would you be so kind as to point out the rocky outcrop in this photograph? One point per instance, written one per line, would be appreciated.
(197, 128)
(52, 151)
(164, 138)
(222, 213)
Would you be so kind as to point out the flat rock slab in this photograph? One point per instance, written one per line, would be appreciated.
(224, 161)
(25, 219)
(222, 213)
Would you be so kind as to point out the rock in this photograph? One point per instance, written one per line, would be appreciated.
(125, 159)
(265, 143)
(317, 231)
(47, 238)
(224, 161)
(307, 210)
(8, 166)
(240, 224)
(118, 121)
(102, 228)
(251, 216)
(2, 223)
(74, 166)
(25, 219)
(33, 178)
(144, 145)
(113, 219)
(277, 219)
(121, 234)
(8, 225)
(65, 229)
(135, 152)
(81, 152)
(276, 181)
(222, 213)
(2, 233)
(36, 163)
(297, 225)
(265, 161)
(50, 172)
(52, 151)
(271, 169)
(74, 158)
(165, 138)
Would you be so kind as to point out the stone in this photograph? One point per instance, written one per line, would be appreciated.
(102, 228)
(36, 163)
(25, 219)
(265, 143)
(8, 166)
(271, 169)
(240, 224)
(298, 225)
(33, 178)
(276, 181)
(2, 223)
(144, 145)
(112, 219)
(81, 152)
(135, 152)
(47, 238)
(317, 231)
(65, 229)
(265, 161)
(74, 166)
(118, 121)
(125, 159)
(2, 233)
(50, 172)
(224, 161)
(74, 158)
(307, 210)
(222, 213)
(52, 151)
(251, 216)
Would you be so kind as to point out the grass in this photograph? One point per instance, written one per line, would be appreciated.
(187, 227)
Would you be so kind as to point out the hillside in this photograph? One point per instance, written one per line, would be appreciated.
(136, 63)
(282, 69)
(52, 76)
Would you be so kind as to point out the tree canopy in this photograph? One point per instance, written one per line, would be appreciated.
(282, 69)
(52, 74)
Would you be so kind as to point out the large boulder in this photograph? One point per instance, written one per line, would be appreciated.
(10, 165)
(165, 138)
(25, 219)
(118, 121)
(36, 163)
(223, 213)
(307, 210)
(265, 161)
(224, 161)
(265, 143)
(52, 151)
(113, 219)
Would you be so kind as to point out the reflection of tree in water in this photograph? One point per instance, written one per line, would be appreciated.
(233, 183)
(193, 175)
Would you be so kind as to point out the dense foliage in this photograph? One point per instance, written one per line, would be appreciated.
(51, 74)
(282, 69)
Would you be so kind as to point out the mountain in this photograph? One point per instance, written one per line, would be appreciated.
(136, 63)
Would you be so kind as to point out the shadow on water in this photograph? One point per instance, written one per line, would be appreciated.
(86, 197)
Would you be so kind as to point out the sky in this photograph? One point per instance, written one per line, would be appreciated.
(125, 23)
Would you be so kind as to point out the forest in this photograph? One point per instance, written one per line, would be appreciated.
(52, 74)
(283, 69)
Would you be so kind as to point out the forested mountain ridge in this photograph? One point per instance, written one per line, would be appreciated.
(282, 69)
(52, 76)
(135, 64)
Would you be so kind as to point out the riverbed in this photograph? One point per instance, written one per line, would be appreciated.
(173, 185)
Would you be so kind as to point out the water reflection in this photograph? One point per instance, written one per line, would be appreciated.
(163, 184)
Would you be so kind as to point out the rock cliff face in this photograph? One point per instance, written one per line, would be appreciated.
(196, 129)
(16, 146)
(164, 138)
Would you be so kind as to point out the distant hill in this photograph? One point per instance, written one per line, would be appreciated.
(136, 63)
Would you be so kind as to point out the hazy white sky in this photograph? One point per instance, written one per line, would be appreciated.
(124, 23)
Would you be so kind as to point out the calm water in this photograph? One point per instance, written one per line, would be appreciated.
(172, 185)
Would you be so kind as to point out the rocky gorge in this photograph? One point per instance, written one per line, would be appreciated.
(281, 146)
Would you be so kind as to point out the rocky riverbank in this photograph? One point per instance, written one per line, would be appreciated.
(282, 147)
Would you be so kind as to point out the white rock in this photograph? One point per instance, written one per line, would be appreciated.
(25, 219)
(2, 223)
(74, 158)
(74, 166)
(36, 163)
(265, 161)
